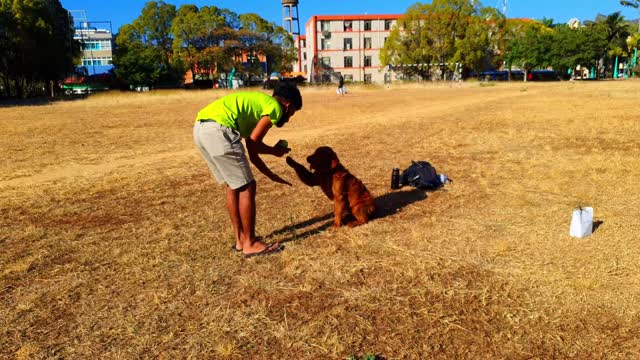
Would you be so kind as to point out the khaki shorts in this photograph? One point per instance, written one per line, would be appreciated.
(222, 149)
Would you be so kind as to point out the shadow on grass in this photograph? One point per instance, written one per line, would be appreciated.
(390, 203)
(596, 225)
(387, 205)
(40, 101)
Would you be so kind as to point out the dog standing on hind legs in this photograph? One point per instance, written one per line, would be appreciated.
(348, 193)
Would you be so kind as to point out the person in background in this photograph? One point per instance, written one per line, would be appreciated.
(340, 90)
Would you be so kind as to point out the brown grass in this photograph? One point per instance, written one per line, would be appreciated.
(115, 238)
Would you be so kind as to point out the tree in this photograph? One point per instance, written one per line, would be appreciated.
(405, 44)
(548, 22)
(616, 31)
(480, 47)
(212, 40)
(260, 37)
(205, 38)
(531, 48)
(573, 47)
(37, 46)
(430, 33)
(155, 25)
(135, 62)
(143, 54)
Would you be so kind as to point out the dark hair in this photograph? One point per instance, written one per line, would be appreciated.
(289, 91)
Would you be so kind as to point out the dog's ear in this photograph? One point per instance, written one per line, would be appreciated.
(334, 159)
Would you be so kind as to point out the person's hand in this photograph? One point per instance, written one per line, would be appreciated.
(280, 180)
(291, 162)
(280, 151)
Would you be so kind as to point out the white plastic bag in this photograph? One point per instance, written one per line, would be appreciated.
(581, 222)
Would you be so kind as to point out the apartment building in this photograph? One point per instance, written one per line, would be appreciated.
(349, 44)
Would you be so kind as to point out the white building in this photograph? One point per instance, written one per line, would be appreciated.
(97, 52)
(347, 44)
(96, 43)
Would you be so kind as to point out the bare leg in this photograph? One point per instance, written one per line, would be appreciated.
(234, 214)
(241, 203)
(247, 208)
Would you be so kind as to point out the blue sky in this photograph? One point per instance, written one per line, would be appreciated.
(121, 12)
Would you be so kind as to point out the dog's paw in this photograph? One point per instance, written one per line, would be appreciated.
(355, 223)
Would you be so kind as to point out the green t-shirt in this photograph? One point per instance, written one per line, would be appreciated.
(241, 111)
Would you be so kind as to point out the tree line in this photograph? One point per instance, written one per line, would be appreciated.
(430, 39)
(37, 48)
(165, 41)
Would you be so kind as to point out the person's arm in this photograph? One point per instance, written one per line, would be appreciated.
(255, 147)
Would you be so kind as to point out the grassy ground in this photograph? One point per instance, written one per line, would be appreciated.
(115, 238)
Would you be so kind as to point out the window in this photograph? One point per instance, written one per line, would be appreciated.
(367, 61)
(348, 77)
(105, 44)
(324, 25)
(326, 62)
(348, 61)
(367, 25)
(90, 45)
(348, 25)
(99, 61)
(303, 43)
(348, 44)
(367, 43)
(387, 24)
(367, 78)
(304, 56)
(325, 44)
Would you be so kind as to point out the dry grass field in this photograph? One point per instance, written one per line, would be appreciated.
(115, 241)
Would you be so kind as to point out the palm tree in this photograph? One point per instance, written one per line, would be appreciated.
(617, 32)
(634, 4)
(616, 28)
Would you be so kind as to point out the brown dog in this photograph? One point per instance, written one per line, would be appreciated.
(349, 194)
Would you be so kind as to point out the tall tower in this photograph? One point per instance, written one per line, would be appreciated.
(290, 16)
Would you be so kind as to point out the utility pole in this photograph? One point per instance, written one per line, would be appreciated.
(502, 4)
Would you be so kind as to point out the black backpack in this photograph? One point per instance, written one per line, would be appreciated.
(421, 175)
